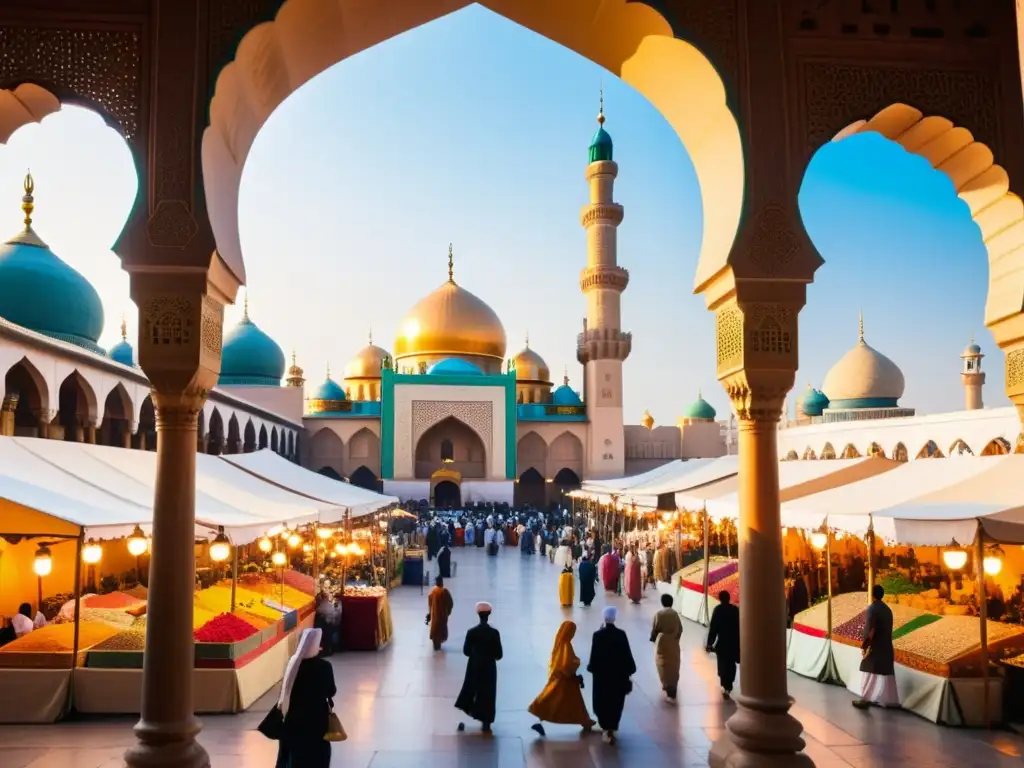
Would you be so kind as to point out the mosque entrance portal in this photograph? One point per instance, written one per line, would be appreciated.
(447, 495)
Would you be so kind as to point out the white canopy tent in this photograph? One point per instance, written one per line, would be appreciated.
(274, 469)
(617, 485)
(926, 502)
(796, 480)
(108, 491)
(644, 490)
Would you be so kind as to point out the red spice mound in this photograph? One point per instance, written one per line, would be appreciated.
(300, 581)
(111, 600)
(225, 628)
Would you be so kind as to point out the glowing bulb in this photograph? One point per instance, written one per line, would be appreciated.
(92, 553)
(307, 548)
(819, 540)
(220, 548)
(266, 544)
(324, 533)
(785, 532)
(137, 544)
(993, 565)
(279, 558)
(294, 540)
(955, 559)
(43, 563)
(339, 548)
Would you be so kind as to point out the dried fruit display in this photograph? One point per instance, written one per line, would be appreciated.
(226, 628)
(852, 631)
(131, 639)
(845, 607)
(1015, 661)
(921, 621)
(117, 618)
(730, 584)
(718, 569)
(60, 638)
(357, 591)
(951, 637)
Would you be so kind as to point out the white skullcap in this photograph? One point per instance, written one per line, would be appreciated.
(483, 607)
(610, 613)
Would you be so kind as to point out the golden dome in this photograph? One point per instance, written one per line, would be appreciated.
(530, 366)
(367, 363)
(451, 321)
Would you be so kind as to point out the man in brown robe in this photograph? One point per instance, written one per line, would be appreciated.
(439, 608)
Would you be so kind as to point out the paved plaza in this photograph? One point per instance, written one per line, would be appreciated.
(397, 705)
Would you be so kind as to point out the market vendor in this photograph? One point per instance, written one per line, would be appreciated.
(22, 621)
(328, 620)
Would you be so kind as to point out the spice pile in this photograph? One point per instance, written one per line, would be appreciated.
(904, 619)
(226, 628)
(117, 618)
(730, 584)
(60, 638)
(287, 596)
(114, 600)
(845, 607)
(300, 581)
(692, 577)
(952, 637)
(131, 639)
(357, 591)
(217, 600)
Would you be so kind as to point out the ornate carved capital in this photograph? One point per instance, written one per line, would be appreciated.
(758, 396)
(1015, 378)
(179, 410)
(615, 278)
(180, 330)
(610, 212)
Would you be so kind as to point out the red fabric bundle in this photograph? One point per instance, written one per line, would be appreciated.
(226, 628)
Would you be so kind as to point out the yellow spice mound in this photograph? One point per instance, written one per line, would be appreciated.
(60, 638)
(293, 598)
(217, 600)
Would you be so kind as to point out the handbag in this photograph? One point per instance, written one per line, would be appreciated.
(272, 726)
(335, 731)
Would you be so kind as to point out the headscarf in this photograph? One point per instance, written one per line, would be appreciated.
(610, 613)
(308, 648)
(562, 655)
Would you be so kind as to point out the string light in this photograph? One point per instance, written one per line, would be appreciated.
(43, 562)
(137, 544)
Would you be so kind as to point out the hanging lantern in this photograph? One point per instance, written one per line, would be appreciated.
(819, 540)
(92, 553)
(294, 540)
(266, 544)
(339, 548)
(324, 533)
(137, 543)
(220, 547)
(955, 559)
(992, 565)
(43, 562)
(279, 559)
(307, 548)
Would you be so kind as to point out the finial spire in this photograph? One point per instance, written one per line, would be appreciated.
(294, 361)
(245, 307)
(328, 369)
(862, 326)
(972, 337)
(451, 265)
(28, 202)
(600, 109)
(700, 395)
(371, 336)
(124, 329)
(527, 344)
(565, 377)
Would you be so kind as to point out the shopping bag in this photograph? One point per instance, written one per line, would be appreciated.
(272, 725)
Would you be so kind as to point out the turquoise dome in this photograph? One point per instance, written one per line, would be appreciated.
(454, 366)
(250, 357)
(122, 352)
(600, 146)
(813, 402)
(565, 395)
(329, 390)
(700, 409)
(40, 292)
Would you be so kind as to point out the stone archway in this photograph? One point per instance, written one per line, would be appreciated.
(468, 450)
(26, 401)
(629, 39)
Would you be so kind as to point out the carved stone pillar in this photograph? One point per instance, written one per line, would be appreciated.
(7, 414)
(90, 434)
(757, 343)
(179, 349)
(126, 436)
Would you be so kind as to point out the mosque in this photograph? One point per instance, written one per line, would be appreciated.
(448, 416)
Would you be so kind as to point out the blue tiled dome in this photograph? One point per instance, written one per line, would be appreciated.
(250, 357)
(813, 402)
(565, 395)
(122, 352)
(329, 390)
(700, 409)
(40, 292)
(454, 366)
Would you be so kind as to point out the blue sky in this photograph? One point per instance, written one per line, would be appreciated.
(474, 131)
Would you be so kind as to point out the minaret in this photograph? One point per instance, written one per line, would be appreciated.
(972, 376)
(602, 347)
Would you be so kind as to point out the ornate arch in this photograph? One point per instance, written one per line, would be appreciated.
(27, 103)
(998, 446)
(899, 452)
(629, 39)
(531, 452)
(478, 416)
(850, 452)
(959, 448)
(792, 456)
(874, 449)
(827, 451)
(984, 187)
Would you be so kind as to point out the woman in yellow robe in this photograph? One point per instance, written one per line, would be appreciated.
(566, 587)
(561, 701)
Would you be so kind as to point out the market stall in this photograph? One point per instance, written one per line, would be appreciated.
(365, 619)
(79, 557)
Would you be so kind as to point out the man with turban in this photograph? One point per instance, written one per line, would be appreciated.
(480, 686)
(611, 664)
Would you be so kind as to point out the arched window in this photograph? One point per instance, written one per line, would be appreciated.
(447, 450)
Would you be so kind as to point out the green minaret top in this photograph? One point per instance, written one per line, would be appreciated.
(601, 142)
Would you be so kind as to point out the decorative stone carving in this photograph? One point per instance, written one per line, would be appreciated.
(610, 212)
(773, 243)
(478, 416)
(101, 67)
(770, 334)
(838, 94)
(212, 330)
(166, 320)
(615, 278)
(1015, 373)
(729, 338)
(935, 21)
(171, 225)
(179, 410)
(711, 26)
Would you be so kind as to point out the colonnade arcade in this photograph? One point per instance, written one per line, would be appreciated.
(752, 87)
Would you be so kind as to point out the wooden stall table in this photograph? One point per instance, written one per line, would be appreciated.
(365, 622)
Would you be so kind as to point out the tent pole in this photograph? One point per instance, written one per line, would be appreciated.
(828, 574)
(316, 555)
(706, 619)
(234, 574)
(78, 618)
(979, 544)
(871, 556)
